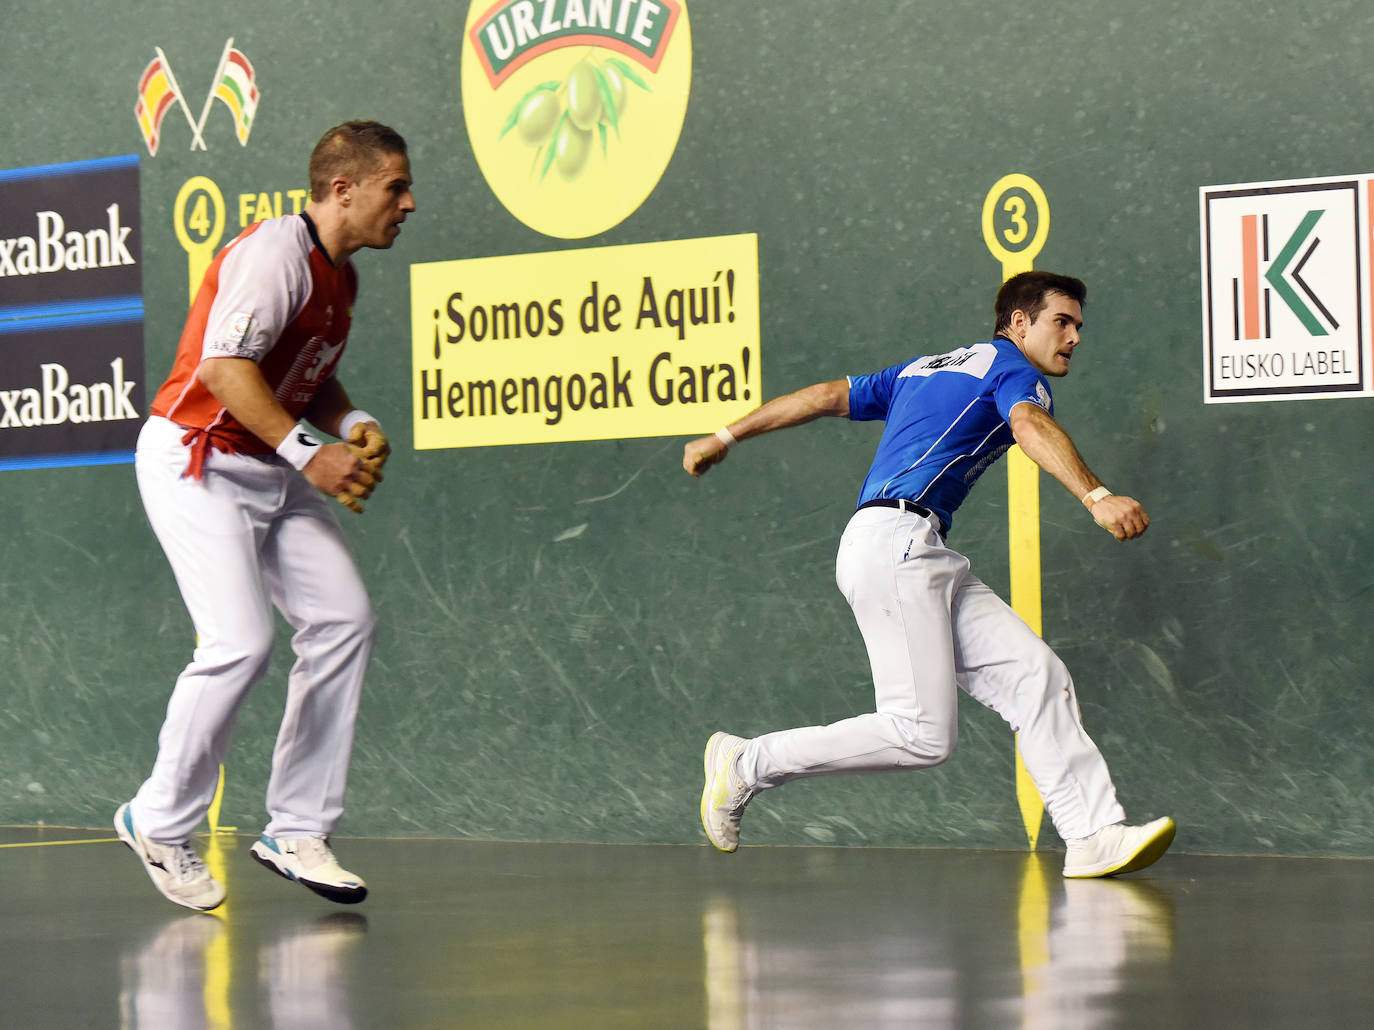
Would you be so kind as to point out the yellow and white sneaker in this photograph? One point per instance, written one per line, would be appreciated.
(310, 862)
(725, 794)
(1118, 849)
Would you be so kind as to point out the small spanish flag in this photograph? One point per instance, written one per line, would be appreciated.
(157, 93)
(239, 91)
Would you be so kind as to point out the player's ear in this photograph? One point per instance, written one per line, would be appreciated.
(341, 189)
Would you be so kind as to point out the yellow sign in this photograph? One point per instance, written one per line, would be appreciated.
(574, 109)
(650, 339)
(1016, 223)
(198, 220)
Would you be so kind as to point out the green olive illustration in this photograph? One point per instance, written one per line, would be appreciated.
(559, 118)
(615, 83)
(538, 117)
(584, 99)
(571, 150)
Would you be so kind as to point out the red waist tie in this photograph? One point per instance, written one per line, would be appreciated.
(201, 440)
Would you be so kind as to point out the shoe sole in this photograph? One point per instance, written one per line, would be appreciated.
(129, 841)
(329, 891)
(706, 795)
(1148, 854)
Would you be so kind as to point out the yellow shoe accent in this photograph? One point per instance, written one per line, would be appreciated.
(724, 796)
(1119, 849)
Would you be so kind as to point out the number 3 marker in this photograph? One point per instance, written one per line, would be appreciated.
(1015, 245)
(1009, 243)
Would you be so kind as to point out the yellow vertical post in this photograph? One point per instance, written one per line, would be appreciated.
(1016, 222)
(217, 957)
(1015, 239)
(218, 1014)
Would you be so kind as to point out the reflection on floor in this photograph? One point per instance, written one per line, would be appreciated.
(467, 934)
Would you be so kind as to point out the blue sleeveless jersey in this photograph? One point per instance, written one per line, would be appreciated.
(947, 421)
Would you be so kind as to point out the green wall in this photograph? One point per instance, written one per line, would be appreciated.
(530, 684)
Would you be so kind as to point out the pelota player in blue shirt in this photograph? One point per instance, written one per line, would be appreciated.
(929, 624)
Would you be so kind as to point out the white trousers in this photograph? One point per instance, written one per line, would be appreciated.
(929, 625)
(251, 534)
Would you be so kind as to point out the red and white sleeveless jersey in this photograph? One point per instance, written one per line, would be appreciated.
(271, 295)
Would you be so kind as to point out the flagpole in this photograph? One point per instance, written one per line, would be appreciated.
(214, 84)
(166, 64)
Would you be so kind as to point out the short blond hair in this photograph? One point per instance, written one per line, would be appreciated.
(352, 150)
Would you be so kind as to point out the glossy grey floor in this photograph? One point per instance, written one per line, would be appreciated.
(469, 934)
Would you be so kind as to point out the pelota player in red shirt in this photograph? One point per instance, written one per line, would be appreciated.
(236, 488)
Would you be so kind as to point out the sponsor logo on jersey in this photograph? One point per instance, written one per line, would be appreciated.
(229, 347)
(243, 321)
(972, 361)
(329, 353)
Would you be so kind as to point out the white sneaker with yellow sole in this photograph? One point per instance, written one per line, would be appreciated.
(1118, 849)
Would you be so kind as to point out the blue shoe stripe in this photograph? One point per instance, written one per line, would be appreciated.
(280, 868)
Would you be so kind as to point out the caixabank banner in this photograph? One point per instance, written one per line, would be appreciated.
(71, 314)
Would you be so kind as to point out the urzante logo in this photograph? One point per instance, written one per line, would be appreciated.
(234, 84)
(573, 107)
(53, 248)
(513, 33)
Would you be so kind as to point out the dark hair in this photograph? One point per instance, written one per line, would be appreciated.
(1026, 292)
(353, 150)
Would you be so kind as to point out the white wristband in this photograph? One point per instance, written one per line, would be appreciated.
(1093, 496)
(298, 447)
(724, 435)
(350, 420)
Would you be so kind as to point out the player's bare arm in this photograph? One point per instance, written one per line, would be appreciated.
(327, 410)
(238, 384)
(791, 409)
(328, 407)
(1046, 444)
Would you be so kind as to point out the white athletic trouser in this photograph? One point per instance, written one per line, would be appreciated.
(930, 624)
(251, 534)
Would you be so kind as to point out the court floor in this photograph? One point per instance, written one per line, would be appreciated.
(469, 934)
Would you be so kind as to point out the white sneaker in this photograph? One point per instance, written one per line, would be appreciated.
(175, 869)
(725, 794)
(1119, 849)
(310, 862)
